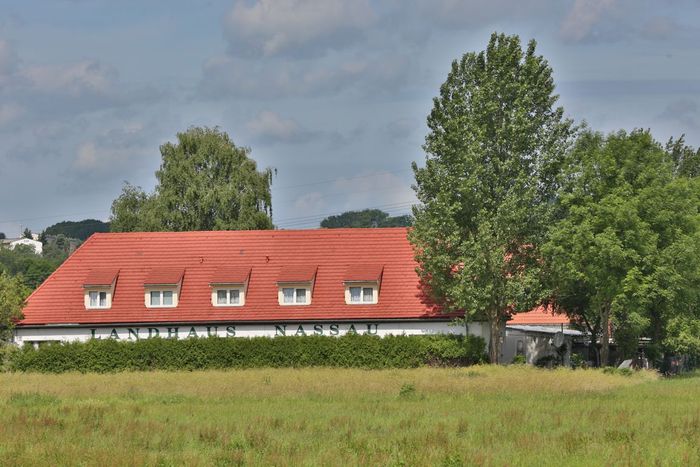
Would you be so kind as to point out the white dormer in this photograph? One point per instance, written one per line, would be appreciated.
(362, 284)
(229, 286)
(295, 285)
(162, 288)
(99, 287)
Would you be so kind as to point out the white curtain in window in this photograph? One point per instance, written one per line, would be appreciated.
(167, 297)
(288, 295)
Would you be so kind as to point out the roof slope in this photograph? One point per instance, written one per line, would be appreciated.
(540, 315)
(201, 254)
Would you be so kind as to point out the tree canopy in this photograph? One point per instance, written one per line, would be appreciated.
(13, 292)
(366, 218)
(624, 252)
(494, 148)
(205, 182)
(31, 268)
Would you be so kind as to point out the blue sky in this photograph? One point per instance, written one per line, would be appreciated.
(333, 94)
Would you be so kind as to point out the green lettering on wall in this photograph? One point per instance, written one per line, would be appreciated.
(216, 331)
(369, 329)
(113, 334)
(192, 333)
(318, 329)
(352, 330)
(280, 329)
(334, 330)
(134, 333)
(153, 332)
(300, 331)
(230, 331)
(172, 332)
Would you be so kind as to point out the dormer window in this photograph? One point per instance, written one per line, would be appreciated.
(162, 288)
(229, 286)
(294, 296)
(97, 299)
(362, 284)
(295, 285)
(99, 288)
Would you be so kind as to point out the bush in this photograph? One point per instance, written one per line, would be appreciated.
(519, 360)
(357, 351)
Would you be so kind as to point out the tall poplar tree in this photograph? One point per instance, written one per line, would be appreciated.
(494, 150)
(205, 182)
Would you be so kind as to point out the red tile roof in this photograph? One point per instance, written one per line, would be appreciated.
(101, 277)
(540, 315)
(164, 276)
(200, 254)
(297, 273)
(230, 275)
(363, 273)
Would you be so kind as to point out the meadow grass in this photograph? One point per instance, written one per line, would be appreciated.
(427, 416)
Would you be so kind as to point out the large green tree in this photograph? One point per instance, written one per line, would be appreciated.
(366, 218)
(624, 253)
(494, 149)
(205, 182)
(13, 292)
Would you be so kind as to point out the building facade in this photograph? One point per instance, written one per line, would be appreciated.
(332, 282)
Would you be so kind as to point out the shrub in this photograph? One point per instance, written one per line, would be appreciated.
(358, 351)
(519, 360)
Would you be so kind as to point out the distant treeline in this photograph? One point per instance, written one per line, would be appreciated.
(366, 218)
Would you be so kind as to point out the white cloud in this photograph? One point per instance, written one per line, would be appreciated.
(87, 157)
(9, 113)
(270, 126)
(310, 203)
(579, 24)
(8, 59)
(375, 189)
(278, 27)
(264, 79)
(73, 79)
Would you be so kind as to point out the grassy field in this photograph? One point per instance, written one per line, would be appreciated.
(478, 415)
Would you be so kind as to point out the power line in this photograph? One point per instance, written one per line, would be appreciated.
(344, 178)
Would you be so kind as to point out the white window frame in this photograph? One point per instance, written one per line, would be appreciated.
(160, 289)
(98, 290)
(362, 286)
(296, 287)
(228, 289)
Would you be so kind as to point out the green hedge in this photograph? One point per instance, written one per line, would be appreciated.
(357, 351)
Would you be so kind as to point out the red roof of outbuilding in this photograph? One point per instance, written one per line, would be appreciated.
(101, 277)
(331, 252)
(540, 315)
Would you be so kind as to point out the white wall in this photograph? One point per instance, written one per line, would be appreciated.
(38, 247)
(183, 331)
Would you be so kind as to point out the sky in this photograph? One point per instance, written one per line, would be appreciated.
(332, 94)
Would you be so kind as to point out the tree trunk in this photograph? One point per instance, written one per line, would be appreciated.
(495, 341)
(605, 336)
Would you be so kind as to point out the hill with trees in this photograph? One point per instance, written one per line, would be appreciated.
(80, 230)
